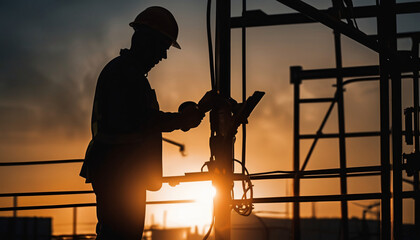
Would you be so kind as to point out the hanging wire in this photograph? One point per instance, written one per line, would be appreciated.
(243, 91)
(246, 206)
(210, 45)
(213, 87)
(210, 228)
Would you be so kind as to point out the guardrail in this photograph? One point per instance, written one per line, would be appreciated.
(205, 176)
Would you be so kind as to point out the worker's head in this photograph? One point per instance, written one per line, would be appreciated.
(155, 31)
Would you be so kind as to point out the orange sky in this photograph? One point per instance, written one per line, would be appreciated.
(46, 102)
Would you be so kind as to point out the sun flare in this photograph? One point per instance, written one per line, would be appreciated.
(199, 213)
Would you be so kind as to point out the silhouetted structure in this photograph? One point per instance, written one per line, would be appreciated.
(170, 233)
(392, 63)
(22, 228)
(269, 228)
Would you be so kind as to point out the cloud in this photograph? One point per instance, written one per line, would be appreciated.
(51, 54)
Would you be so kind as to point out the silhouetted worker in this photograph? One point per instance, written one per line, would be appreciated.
(124, 158)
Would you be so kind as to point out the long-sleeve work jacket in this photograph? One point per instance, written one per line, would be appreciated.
(127, 125)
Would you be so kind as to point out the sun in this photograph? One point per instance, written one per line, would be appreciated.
(206, 195)
(199, 213)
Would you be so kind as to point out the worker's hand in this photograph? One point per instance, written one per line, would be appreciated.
(208, 101)
(191, 115)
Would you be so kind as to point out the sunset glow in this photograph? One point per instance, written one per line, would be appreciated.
(194, 214)
(53, 52)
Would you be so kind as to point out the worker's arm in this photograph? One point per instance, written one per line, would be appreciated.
(189, 114)
(168, 121)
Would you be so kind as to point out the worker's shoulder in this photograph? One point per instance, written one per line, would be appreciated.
(114, 70)
(115, 65)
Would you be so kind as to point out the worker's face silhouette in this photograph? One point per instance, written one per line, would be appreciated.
(150, 47)
(161, 46)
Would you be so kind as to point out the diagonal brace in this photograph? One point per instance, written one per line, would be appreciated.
(332, 22)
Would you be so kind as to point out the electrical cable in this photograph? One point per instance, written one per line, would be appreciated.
(210, 228)
(213, 87)
(211, 58)
(210, 45)
(243, 35)
(245, 208)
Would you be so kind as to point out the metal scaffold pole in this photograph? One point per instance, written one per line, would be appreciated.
(296, 81)
(221, 140)
(388, 69)
(385, 141)
(415, 51)
(341, 128)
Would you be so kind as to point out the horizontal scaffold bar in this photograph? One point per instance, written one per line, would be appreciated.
(324, 198)
(85, 205)
(319, 198)
(360, 71)
(33, 194)
(316, 100)
(335, 135)
(288, 174)
(298, 74)
(8, 164)
(205, 176)
(332, 175)
(257, 18)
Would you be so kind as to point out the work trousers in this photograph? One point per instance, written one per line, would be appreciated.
(119, 183)
(120, 209)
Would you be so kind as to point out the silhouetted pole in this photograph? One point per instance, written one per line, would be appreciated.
(221, 140)
(388, 6)
(74, 222)
(384, 44)
(415, 51)
(389, 68)
(296, 81)
(341, 128)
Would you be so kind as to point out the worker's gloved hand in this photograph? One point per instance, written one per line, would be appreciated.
(190, 114)
(208, 101)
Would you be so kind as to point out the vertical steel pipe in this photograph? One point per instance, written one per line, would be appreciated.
(223, 46)
(342, 138)
(397, 152)
(384, 43)
(415, 51)
(341, 126)
(296, 81)
(388, 6)
(389, 65)
(223, 143)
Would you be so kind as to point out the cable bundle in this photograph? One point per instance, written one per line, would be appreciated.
(246, 206)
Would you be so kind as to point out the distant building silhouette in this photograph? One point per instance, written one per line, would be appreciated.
(270, 228)
(22, 228)
(170, 233)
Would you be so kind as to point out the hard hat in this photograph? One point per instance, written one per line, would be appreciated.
(159, 19)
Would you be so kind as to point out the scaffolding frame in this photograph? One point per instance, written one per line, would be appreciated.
(391, 64)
